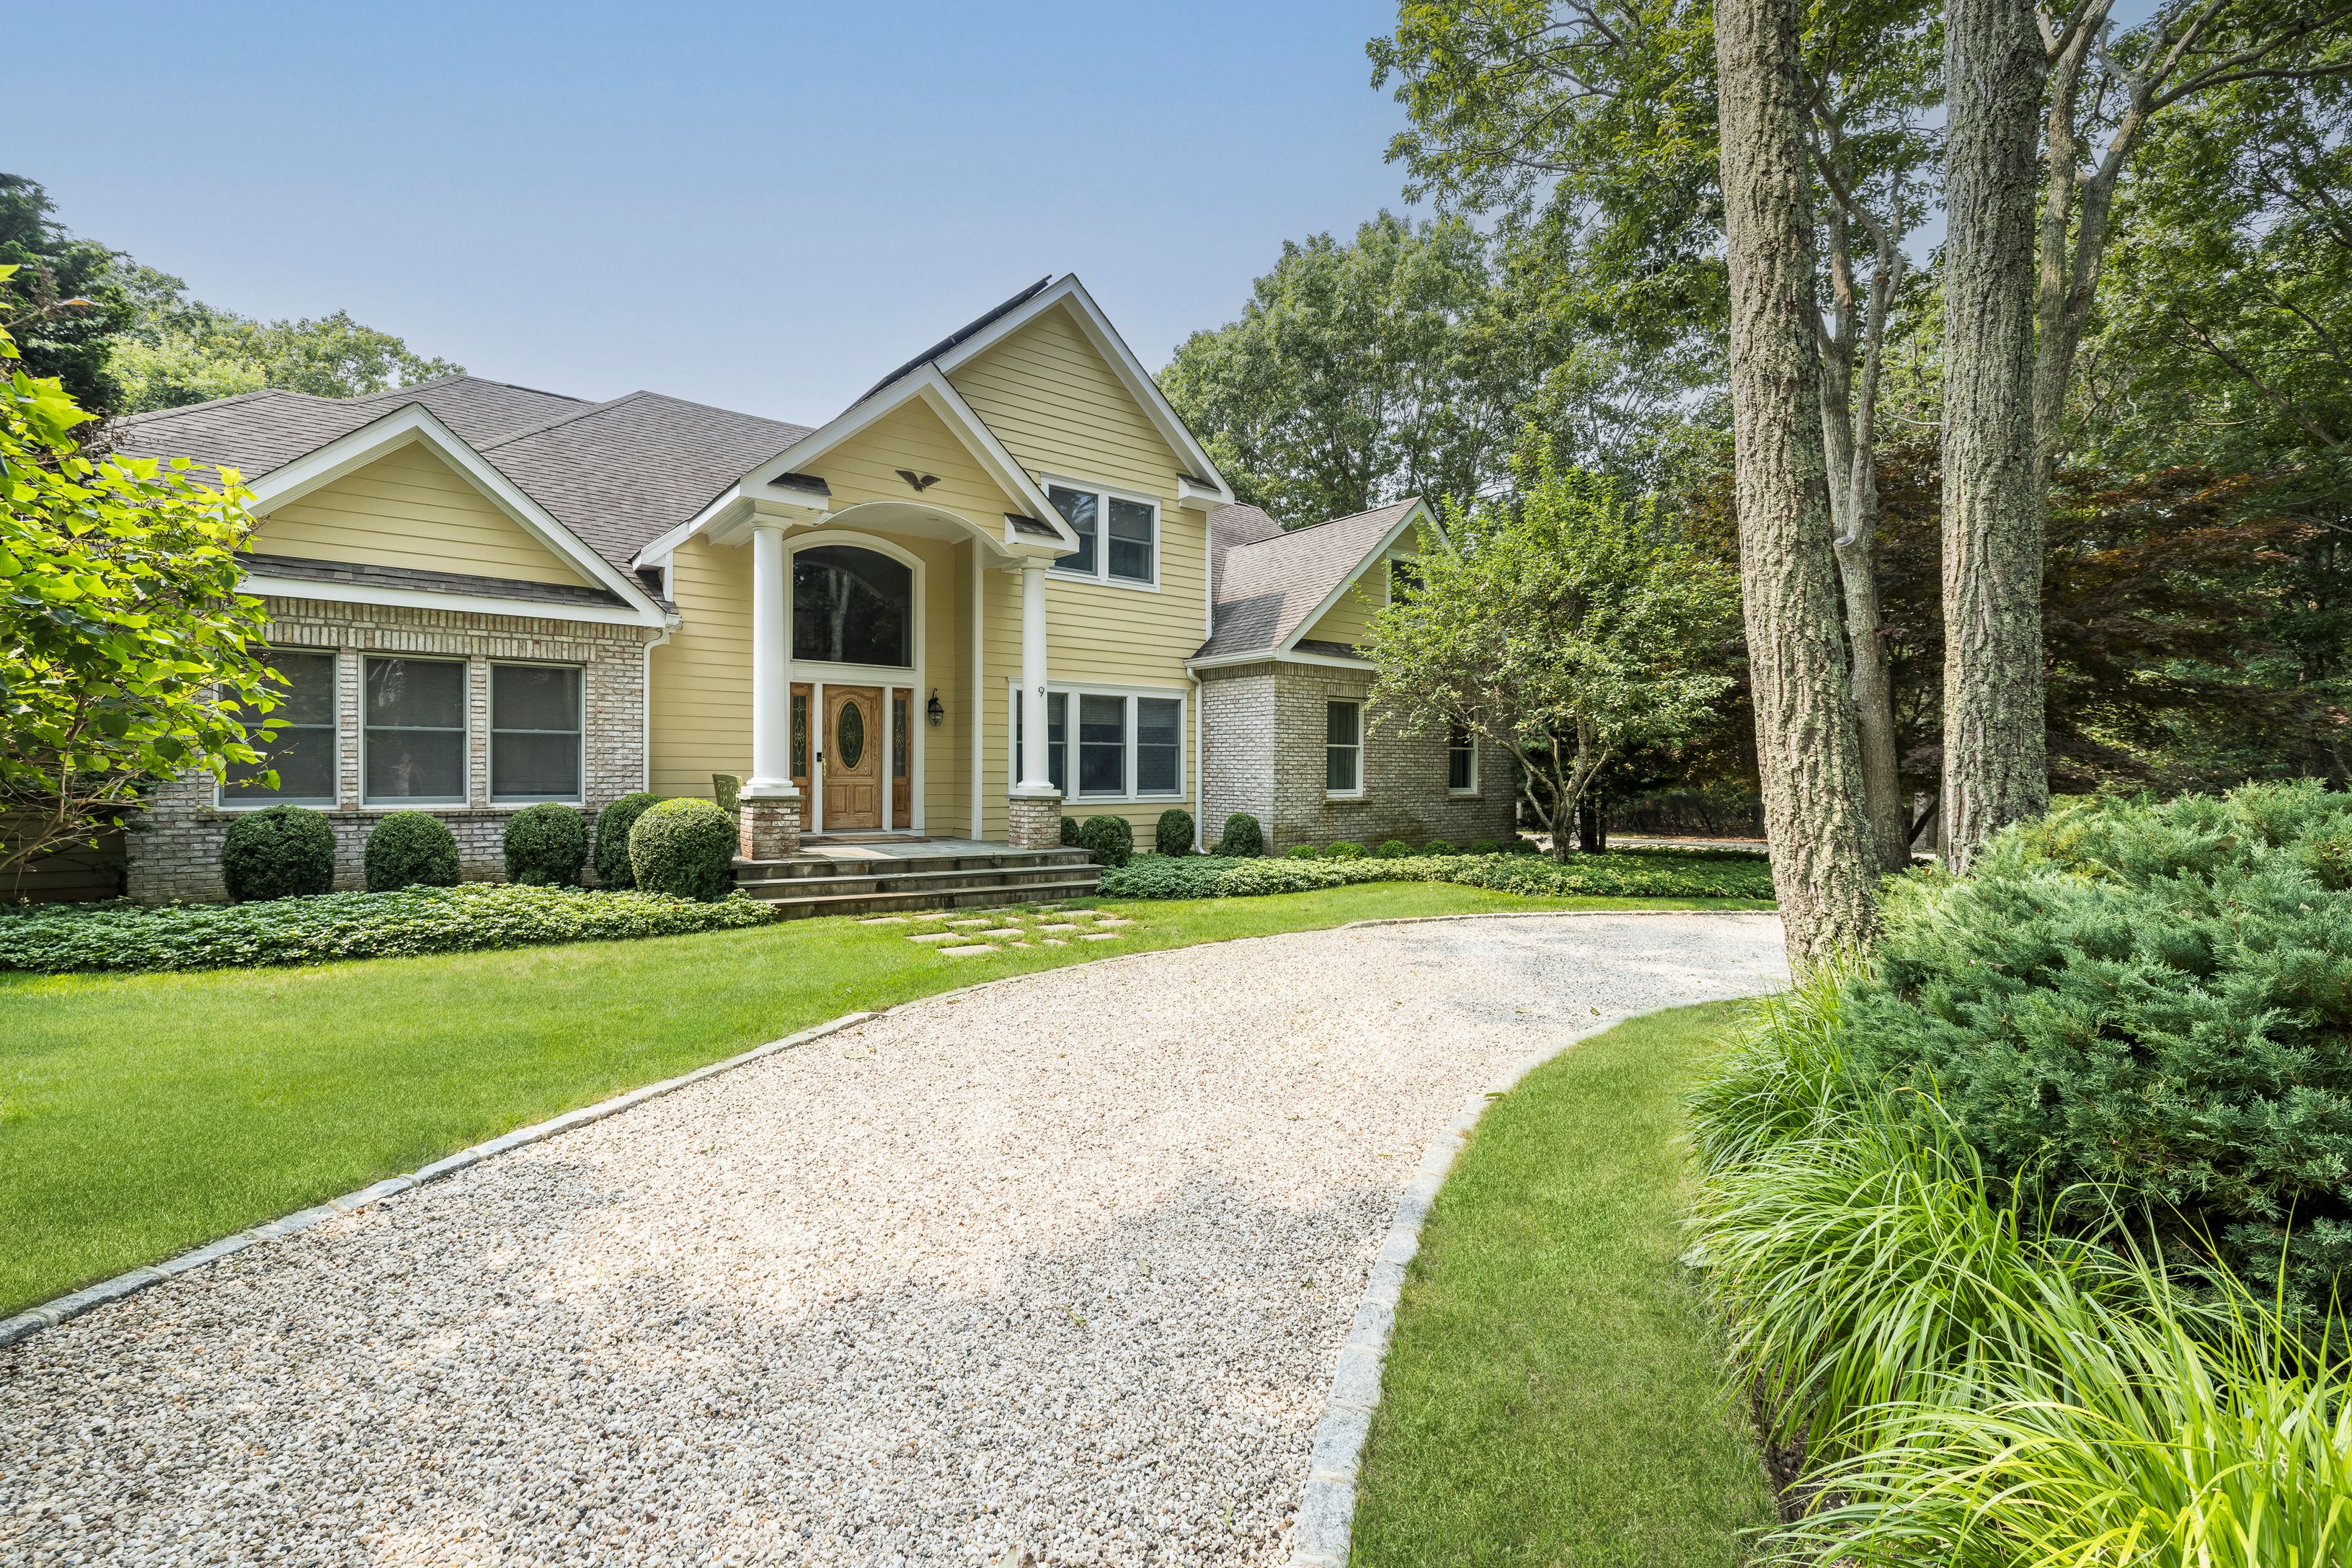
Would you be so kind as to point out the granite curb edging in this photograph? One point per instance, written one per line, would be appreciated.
(1324, 1534)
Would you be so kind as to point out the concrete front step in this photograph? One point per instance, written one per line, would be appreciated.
(925, 880)
(827, 867)
(800, 905)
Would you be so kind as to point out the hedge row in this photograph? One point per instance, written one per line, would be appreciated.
(1649, 873)
(56, 938)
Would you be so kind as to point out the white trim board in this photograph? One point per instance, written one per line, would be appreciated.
(414, 424)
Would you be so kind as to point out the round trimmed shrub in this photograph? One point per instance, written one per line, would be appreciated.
(684, 848)
(278, 851)
(1070, 832)
(545, 846)
(613, 825)
(1173, 835)
(1485, 847)
(1302, 852)
(1243, 838)
(1394, 850)
(1439, 847)
(1109, 839)
(1346, 849)
(1517, 845)
(409, 849)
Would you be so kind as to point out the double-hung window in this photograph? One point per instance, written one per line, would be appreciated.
(1125, 747)
(1118, 536)
(301, 749)
(413, 731)
(1343, 749)
(1461, 761)
(535, 752)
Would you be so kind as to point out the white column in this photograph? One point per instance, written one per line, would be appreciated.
(1033, 774)
(772, 677)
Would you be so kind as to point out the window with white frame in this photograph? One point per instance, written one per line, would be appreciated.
(413, 731)
(1118, 536)
(301, 747)
(535, 732)
(1126, 747)
(1343, 749)
(1461, 761)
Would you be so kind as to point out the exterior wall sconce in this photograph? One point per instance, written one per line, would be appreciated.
(933, 711)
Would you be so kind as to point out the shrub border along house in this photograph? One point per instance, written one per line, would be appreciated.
(684, 847)
(545, 846)
(278, 851)
(410, 848)
(1636, 874)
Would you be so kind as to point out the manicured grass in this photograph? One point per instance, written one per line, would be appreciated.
(1555, 1393)
(143, 1114)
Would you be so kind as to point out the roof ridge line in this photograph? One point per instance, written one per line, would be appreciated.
(567, 417)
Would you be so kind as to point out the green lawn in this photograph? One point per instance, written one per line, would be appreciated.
(143, 1114)
(1554, 1394)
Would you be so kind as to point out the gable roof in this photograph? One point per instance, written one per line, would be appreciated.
(1270, 588)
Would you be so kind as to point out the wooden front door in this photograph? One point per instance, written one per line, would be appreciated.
(851, 750)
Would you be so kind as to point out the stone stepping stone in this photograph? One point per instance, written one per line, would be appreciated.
(884, 920)
(1055, 942)
(1080, 913)
(1099, 936)
(1001, 932)
(1113, 920)
(936, 936)
(984, 920)
(1059, 926)
(965, 952)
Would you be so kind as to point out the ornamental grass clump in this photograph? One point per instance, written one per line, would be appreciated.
(545, 846)
(278, 851)
(409, 849)
(684, 848)
(613, 825)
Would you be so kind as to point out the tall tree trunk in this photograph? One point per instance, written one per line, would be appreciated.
(1849, 425)
(1805, 746)
(1995, 766)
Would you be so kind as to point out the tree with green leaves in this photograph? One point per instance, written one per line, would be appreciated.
(1564, 627)
(177, 350)
(64, 297)
(126, 654)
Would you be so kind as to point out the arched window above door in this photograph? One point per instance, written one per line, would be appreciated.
(853, 606)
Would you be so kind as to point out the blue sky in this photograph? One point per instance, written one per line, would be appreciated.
(758, 206)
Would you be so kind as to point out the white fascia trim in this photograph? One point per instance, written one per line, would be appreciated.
(411, 423)
(424, 599)
(1194, 498)
(1067, 289)
(933, 388)
(1329, 661)
(1417, 512)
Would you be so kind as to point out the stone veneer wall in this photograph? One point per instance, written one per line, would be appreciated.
(1266, 738)
(175, 845)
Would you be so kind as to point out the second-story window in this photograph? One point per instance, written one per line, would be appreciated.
(1118, 536)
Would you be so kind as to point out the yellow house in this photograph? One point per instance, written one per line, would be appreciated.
(483, 596)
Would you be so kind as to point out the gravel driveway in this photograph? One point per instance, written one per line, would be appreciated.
(1056, 1268)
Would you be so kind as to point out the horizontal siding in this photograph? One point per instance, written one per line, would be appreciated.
(410, 508)
(702, 692)
(1351, 618)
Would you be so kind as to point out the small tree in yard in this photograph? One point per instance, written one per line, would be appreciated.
(126, 652)
(1565, 625)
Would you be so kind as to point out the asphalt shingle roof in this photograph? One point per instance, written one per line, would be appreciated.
(618, 473)
(1267, 584)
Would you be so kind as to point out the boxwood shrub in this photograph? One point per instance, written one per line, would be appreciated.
(613, 825)
(278, 851)
(1483, 847)
(545, 846)
(1517, 845)
(1069, 832)
(684, 848)
(1172, 835)
(1302, 852)
(1243, 838)
(1393, 849)
(1345, 849)
(59, 938)
(409, 849)
(1439, 847)
(1109, 839)
(1655, 874)
(2148, 1001)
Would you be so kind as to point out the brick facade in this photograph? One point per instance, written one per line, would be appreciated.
(1033, 821)
(175, 845)
(1266, 733)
